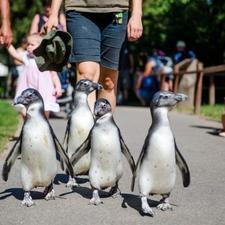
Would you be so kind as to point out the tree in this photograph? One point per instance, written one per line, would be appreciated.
(22, 13)
(200, 23)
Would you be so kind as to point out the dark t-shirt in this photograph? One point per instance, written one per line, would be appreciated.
(180, 56)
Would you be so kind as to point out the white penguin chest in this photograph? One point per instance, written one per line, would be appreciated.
(105, 146)
(37, 144)
(161, 149)
(158, 169)
(81, 124)
(106, 164)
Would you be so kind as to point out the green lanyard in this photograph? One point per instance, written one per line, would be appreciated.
(119, 18)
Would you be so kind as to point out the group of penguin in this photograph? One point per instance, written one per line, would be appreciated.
(94, 146)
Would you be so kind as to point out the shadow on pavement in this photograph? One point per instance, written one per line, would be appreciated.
(134, 202)
(86, 192)
(214, 130)
(83, 191)
(63, 178)
(18, 194)
(205, 127)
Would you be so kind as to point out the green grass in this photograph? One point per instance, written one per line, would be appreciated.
(213, 111)
(9, 120)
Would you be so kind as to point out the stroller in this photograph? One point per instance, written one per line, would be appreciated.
(66, 100)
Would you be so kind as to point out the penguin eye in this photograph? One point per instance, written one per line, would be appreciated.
(166, 96)
(29, 96)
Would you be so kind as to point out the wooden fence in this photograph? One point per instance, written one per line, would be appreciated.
(200, 72)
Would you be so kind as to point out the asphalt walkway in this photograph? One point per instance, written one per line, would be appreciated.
(200, 204)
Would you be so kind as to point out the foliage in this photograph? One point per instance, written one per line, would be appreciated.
(8, 122)
(22, 13)
(200, 23)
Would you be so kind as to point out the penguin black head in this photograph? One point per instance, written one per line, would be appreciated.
(28, 97)
(102, 106)
(167, 99)
(87, 86)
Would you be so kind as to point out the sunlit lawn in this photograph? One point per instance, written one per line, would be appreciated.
(213, 111)
(9, 120)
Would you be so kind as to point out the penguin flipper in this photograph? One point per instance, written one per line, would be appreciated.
(80, 151)
(139, 160)
(10, 159)
(66, 136)
(181, 163)
(64, 157)
(127, 154)
(61, 152)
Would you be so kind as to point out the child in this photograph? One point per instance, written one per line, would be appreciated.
(47, 82)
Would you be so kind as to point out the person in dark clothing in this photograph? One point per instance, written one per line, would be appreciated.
(126, 68)
(182, 53)
(146, 84)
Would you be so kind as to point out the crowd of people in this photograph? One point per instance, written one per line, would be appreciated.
(143, 75)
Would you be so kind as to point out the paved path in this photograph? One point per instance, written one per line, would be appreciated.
(202, 203)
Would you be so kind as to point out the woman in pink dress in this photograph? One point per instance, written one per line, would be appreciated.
(47, 82)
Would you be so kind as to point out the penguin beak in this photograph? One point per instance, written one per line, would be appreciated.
(19, 100)
(99, 86)
(180, 97)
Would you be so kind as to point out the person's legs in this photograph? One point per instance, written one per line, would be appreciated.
(86, 47)
(89, 70)
(97, 40)
(47, 114)
(108, 80)
(222, 133)
(112, 38)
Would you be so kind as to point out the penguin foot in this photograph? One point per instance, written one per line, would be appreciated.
(72, 183)
(50, 195)
(95, 199)
(146, 209)
(115, 192)
(27, 200)
(164, 206)
(116, 195)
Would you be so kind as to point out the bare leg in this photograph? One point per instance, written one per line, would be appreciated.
(95, 198)
(170, 85)
(145, 206)
(222, 133)
(89, 70)
(27, 200)
(164, 205)
(108, 79)
(47, 113)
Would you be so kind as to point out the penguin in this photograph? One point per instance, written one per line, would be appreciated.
(39, 149)
(79, 125)
(107, 146)
(160, 154)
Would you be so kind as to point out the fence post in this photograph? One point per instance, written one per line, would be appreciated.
(198, 95)
(211, 90)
